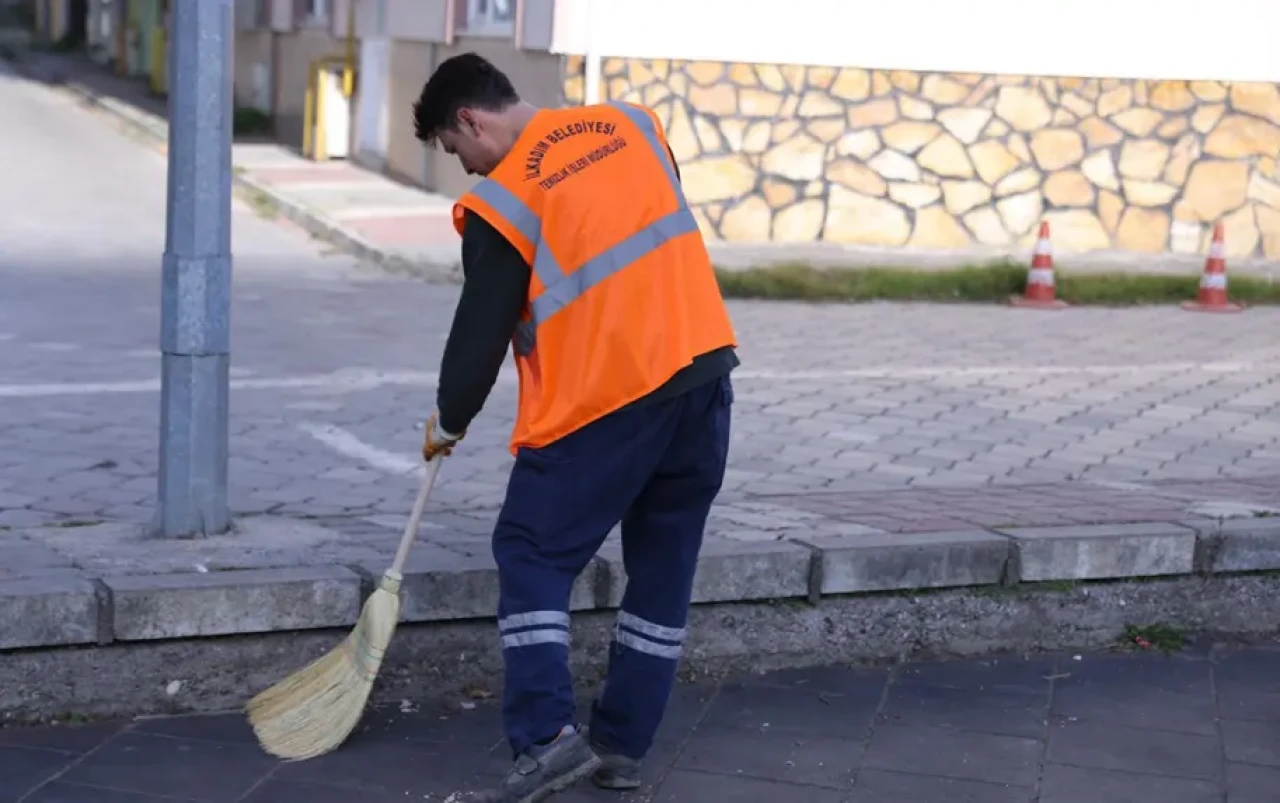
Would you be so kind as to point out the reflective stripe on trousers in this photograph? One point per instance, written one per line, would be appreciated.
(648, 637)
(536, 627)
(561, 288)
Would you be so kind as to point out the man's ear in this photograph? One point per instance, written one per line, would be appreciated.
(467, 120)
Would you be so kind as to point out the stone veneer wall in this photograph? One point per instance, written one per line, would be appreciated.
(943, 161)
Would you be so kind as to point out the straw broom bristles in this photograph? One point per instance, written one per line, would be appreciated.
(314, 710)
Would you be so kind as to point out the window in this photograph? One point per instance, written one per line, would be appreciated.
(491, 17)
(252, 14)
(312, 12)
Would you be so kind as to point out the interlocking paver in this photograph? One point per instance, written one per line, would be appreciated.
(160, 766)
(1247, 783)
(809, 760)
(1063, 784)
(952, 753)
(1152, 752)
(877, 786)
(1255, 743)
(999, 712)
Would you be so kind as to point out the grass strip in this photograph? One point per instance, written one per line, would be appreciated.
(990, 283)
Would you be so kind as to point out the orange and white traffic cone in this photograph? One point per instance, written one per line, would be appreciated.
(1212, 296)
(1041, 292)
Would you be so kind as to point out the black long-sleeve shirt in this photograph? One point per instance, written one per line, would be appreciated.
(495, 287)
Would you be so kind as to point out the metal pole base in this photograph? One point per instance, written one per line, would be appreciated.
(193, 461)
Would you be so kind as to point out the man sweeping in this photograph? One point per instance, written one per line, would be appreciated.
(579, 249)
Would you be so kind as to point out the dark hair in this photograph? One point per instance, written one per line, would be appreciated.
(460, 82)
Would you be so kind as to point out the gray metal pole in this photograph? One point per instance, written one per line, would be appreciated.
(195, 337)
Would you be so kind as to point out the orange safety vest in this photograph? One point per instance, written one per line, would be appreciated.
(622, 294)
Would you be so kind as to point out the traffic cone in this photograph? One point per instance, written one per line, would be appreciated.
(1212, 296)
(1041, 292)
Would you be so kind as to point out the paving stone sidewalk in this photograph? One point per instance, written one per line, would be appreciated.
(1201, 726)
(84, 547)
(881, 417)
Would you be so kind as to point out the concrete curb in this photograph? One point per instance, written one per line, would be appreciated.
(442, 662)
(68, 607)
(325, 228)
(1103, 551)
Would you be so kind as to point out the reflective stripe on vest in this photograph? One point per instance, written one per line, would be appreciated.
(562, 288)
(522, 219)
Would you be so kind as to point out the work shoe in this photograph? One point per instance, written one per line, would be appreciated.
(543, 770)
(619, 773)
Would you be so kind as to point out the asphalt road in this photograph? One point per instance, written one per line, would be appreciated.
(1199, 727)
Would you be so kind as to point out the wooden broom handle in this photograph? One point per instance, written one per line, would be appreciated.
(415, 518)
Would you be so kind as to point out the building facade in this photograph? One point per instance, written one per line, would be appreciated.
(1131, 127)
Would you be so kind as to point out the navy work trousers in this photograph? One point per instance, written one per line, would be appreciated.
(656, 468)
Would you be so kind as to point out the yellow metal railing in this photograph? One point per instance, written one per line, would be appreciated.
(313, 133)
(122, 44)
(159, 59)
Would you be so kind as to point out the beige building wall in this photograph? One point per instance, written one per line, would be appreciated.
(252, 48)
(294, 53)
(536, 75)
(410, 64)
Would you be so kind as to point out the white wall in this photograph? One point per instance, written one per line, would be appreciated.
(443, 21)
(281, 15)
(420, 20)
(1231, 40)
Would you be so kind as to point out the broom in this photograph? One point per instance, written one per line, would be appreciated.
(313, 710)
